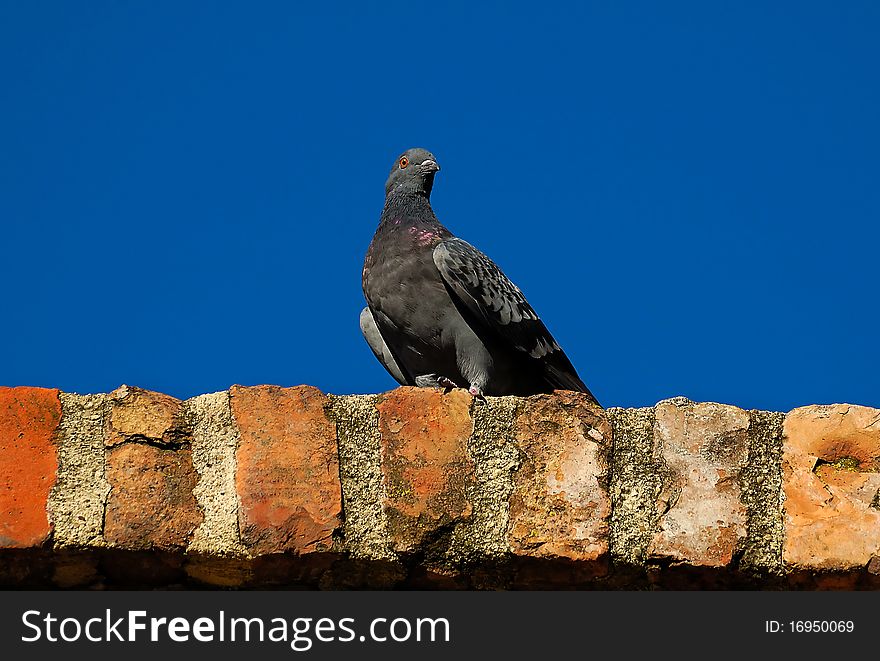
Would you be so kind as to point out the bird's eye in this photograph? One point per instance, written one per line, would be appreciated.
(403, 162)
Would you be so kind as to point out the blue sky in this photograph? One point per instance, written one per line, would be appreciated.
(686, 192)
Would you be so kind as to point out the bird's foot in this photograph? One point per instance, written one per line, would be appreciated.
(436, 381)
(446, 383)
(477, 393)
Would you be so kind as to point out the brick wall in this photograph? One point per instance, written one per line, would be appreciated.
(269, 486)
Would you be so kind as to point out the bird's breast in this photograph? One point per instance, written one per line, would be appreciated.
(402, 282)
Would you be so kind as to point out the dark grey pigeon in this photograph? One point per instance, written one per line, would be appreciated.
(442, 314)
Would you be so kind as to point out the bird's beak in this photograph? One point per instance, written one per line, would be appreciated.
(429, 166)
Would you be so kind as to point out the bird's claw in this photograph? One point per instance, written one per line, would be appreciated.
(477, 393)
(436, 381)
(446, 383)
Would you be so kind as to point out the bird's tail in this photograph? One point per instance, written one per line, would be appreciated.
(561, 379)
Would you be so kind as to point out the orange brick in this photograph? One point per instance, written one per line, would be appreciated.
(151, 503)
(28, 463)
(425, 464)
(831, 478)
(560, 507)
(288, 469)
(150, 470)
(139, 414)
(704, 448)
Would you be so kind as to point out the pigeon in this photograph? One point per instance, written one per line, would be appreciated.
(440, 313)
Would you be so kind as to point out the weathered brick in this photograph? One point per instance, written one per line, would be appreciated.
(143, 415)
(447, 493)
(288, 469)
(560, 507)
(151, 503)
(29, 418)
(426, 468)
(150, 472)
(831, 478)
(704, 448)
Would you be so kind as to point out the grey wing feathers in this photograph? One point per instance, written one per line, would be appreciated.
(490, 297)
(379, 347)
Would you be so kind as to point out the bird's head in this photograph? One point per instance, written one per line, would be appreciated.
(413, 172)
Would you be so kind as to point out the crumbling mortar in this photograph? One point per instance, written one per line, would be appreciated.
(496, 458)
(363, 532)
(635, 487)
(78, 499)
(213, 458)
(761, 492)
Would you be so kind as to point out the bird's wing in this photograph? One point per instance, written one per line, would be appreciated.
(380, 347)
(477, 284)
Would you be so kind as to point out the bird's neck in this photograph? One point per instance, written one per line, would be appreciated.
(408, 208)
